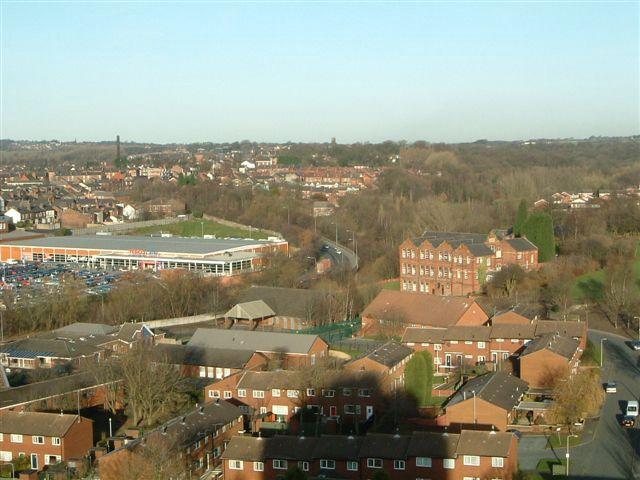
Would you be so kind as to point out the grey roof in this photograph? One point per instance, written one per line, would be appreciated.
(338, 447)
(492, 444)
(521, 244)
(382, 445)
(433, 444)
(569, 328)
(390, 354)
(38, 423)
(48, 347)
(475, 242)
(256, 341)
(200, 356)
(284, 447)
(161, 245)
(250, 449)
(423, 335)
(513, 330)
(478, 333)
(560, 344)
(287, 302)
(250, 310)
(128, 331)
(83, 328)
(288, 379)
(498, 388)
(479, 250)
(295, 380)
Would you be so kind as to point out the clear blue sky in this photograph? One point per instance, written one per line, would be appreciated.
(306, 72)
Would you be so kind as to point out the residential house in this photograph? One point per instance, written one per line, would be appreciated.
(548, 358)
(44, 438)
(387, 361)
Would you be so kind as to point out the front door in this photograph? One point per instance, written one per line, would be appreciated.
(34, 461)
(333, 411)
(369, 411)
(447, 359)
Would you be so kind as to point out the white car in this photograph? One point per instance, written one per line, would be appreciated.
(610, 387)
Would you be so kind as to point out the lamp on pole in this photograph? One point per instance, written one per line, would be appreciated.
(3, 307)
(637, 319)
(475, 419)
(110, 428)
(567, 454)
(602, 340)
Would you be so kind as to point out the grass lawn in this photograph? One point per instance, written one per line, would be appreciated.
(195, 228)
(553, 441)
(589, 285)
(395, 285)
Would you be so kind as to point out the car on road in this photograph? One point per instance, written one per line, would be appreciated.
(628, 421)
(632, 408)
(610, 387)
(635, 345)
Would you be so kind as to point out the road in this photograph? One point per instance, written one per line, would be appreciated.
(346, 259)
(609, 451)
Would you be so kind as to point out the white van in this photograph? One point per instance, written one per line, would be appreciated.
(632, 408)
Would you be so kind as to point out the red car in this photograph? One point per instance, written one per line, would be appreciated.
(628, 422)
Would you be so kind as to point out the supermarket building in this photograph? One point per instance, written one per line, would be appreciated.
(217, 256)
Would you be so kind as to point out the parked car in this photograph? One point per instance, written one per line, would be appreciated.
(610, 387)
(635, 344)
(632, 408)
(628, 422)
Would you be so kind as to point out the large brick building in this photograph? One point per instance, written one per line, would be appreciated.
(437, 456)
(446, 263)
(44, 438)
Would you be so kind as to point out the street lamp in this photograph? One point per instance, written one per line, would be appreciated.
(602, 340)
(637, 319)
(3, 307)
(567, 454)
(475, 419)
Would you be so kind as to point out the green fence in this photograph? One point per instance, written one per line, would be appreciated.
(334, 332)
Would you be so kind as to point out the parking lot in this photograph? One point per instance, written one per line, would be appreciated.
(28, 280)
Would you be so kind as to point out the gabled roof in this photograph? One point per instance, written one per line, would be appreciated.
(200, 356)
(521, 244)
(511, 317)
(433, 444)
(498, 388)
(390, 354)
(38, 423)
(286, 302)
(413, 309)
(492, 444)
(83, 328)
(423, 335)
(255, 309)
(256, 341)
(47, 347)
(479, 333)
(382, 445)
(509, 330)
(569, 328)
(338, 447)
(562, 345)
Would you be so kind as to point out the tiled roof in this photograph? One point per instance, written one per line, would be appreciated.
(423, 335)
(498, 388)
(560, 344)
(256, 341)
(390, 354)
(37, 423)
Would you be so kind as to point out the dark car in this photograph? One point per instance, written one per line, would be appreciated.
(628, 422)
(635, 345)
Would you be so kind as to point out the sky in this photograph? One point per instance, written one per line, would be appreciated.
(309, 71)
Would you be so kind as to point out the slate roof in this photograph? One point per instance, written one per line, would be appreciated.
(513, 330)
(251, 449)
(86, 329)
(560, 344)
(521, 244)
(494, 444)
(498, 388)
(256, 341)
(288, 379)
(424, 310)
(338, 447)
(382, 445)
(423, 335)
(390, 354)
(285, 302)
(433, 444)
(569, 328)
(478, 333)
(38, 423)
(49, 347)
(250, 310)
(200, 356)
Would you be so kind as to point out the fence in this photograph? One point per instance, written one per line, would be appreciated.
(123, 227)
(334, 332)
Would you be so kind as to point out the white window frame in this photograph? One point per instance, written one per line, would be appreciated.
(482, 345)
(471, 460)
(327, 464)
(352, 466)
(449, 463)
(311, 392)
(16, 438)
(56, 441)
(275, 392)
(374, 463)
(424, 462)
(293, 393)
(303, 465)
(497, 462)
(279, 464)
(242, 393)
(37, 440)
(258, 394)
(258, 466)
(236, 465)
(399, 464)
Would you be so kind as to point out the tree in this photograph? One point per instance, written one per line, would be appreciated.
(521, 218)
(577, 396)
(539, 230)
(620, 294)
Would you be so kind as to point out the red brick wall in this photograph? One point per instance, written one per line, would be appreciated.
(542, 367)
(486, 414)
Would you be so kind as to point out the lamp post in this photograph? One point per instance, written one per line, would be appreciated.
(110, 428)
(602, 340)
(3, 307)
(567, 454)
(202, 228)
(475, 419)
(637, 319)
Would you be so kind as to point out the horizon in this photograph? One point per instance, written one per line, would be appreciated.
(365, 72)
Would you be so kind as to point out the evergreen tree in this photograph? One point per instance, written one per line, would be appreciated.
(521, 218)
(539, 230)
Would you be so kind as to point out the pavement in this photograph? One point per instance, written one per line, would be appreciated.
(608, 451)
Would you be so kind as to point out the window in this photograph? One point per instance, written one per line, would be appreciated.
(203, 372)
(304, 466)
(196, 445)
(280, 464)
(454, 342)
(214, 393)
(52, 459)
(236, 464)
(242, 393)
(346, 392)
(423, 462)
(350, 409)
(328, 464)
(515, 340)
(328, 393)
(364, 392)
(482, 345)
(55, 441)
(482, 359)
(275, 392)
(258, 466)
(38, 440)
(6, 456)
(398, 464)
(497, 462)
(449, 463)
(468, 342)
(472, 460)
(16, 438)
(311, 392)
(1, 437)
(374, 462)
(258, 394)
(352, 466)
(292, 393)
(499, 340)
(227, 394)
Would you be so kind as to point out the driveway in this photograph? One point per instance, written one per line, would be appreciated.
(610, 452)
